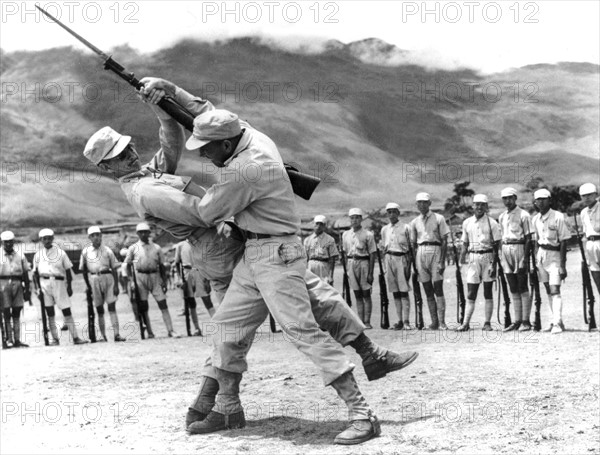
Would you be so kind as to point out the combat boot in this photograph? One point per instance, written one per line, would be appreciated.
(227, 413)
(204, 402)
(359, 431)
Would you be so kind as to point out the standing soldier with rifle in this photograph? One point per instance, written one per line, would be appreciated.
(321, 251)
(429, 233)
(480, 238)
(515, 225)
(395, 241)
(590, 256)
(360, 251)
(192, 284)
(99, 267)
(14, 289)
(552, 234)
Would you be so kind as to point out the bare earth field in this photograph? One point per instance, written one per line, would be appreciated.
(467, 393)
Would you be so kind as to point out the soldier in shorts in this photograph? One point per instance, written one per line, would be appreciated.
(195, 285)
(360, 250)
(321, 251)
(590, 220)
(99, 267)
(481, 235)
(54, 269)
(515, 225)
(148, 260)
(395, 238)
(429, 232)
(551, 234)
(14, 287)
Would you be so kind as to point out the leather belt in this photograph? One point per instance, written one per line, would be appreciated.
(359, 258)
(395, 253)
(147, 272)
(513, 242)
(550, 247)
(11, 277)
(47, 277)
(430, 243)
(103, 272)
(319, 259)
(481, 251)
(257, 236)
(593, 238)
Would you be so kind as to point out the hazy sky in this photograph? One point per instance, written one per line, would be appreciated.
(489, 36)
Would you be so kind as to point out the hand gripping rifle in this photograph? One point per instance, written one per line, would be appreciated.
(416, 290)
(536, 296)
(460, 288)
(40, 294)
(303, 184)
(135, 295)
(346, 294)
(385, 303)
(186, 306)
(586, 283)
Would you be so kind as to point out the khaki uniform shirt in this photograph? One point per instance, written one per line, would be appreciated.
(477, 233)
(590, 220)
(395, 237)
(359, 243)
(429, 228)
(515, 225)
(551, 228)
(146, 257)
(13, 264)
(52, 261)
(97, 259)
(320, 246)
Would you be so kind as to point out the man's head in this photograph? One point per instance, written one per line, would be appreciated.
(216, 133)
(509, 198)
(46, 237)
(112, 152)
(542, 199)
(320, 221)
(589, 194)
(423, 202)
(480, 203)
(356, 217)
(393, 212)
(143, 232)
(95, 236)
(8, 241)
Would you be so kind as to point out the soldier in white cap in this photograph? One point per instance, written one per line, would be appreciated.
(590, 220)
(14, 287)
(360, 252)
(551, 235)
(178, 208)
(515, 224)
(195, 284)
(53, 267)
(429, 234)
(151, 276)
(99, 267)
(481, 236)
(321, 251)
(395, 238)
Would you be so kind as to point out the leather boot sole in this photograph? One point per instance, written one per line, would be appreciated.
(378, 368)
(215, 421)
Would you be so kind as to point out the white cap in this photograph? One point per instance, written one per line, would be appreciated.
(392, 206)
(480, 198)
(94, 230)
(542, 194)
(355, 211)
(7, 235)
(587, 188)
(423, 197)
(507, 192)
(123, 252)
(320, 219)
(142, 227)
(46, 233)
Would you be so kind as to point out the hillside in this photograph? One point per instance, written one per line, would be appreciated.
(372, 130)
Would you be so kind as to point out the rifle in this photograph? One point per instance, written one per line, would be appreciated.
(186, 306)
(40, 294)
(4, 329)
(385, 303)
(416, 290)
(588, 293)
(346, 294)
(303, 184)
(460, 288)
(136, 297)
(90, 305)
(505, 295)
(536, 296)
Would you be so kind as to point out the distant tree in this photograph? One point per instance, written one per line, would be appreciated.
(460, 201)
(563, 197)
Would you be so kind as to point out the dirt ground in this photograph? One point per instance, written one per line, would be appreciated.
(467, 393)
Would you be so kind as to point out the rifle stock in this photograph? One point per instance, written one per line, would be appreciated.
(40, 294)
(346, 281)
(536, 296)
(505, 295)
(586, 283)
(91, 316)
(136, 296)
(419, 324)
(460, 288)
(186, 306)
(385, 303)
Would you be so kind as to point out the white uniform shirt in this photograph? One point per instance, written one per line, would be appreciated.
(477, 233)
(590, 220)
(97, 259)
(52, 261)
(320, 246)
(551, 228)
(395, 237)
(13, 264)
(145, 256)
(359, 243)
(515, 225)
